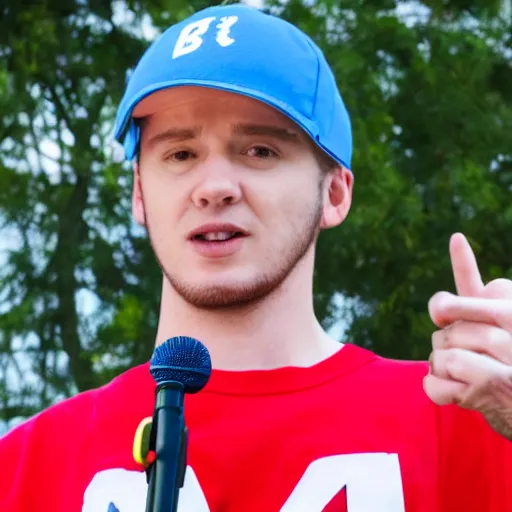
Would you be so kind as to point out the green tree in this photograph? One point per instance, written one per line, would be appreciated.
(67, 234)
(428, 88)
(429, 92)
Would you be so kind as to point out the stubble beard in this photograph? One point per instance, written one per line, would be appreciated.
(241, 295)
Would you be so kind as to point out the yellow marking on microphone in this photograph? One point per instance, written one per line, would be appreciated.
(141, 452)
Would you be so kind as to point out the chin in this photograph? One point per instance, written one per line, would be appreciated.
(222, 277)
(222, 284)
(222, 293)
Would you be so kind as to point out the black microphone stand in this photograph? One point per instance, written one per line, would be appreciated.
(169, 441)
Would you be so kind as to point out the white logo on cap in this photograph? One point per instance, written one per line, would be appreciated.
(190, 38)
(226, 22)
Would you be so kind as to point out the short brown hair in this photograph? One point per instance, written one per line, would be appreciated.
(325, 161)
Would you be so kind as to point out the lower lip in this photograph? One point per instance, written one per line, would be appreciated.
(218, 249)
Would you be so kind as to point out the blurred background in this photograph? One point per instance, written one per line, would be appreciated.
(429, 88)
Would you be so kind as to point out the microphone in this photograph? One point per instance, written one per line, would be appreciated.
(180, 365)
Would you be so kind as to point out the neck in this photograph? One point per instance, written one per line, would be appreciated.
(280, 330)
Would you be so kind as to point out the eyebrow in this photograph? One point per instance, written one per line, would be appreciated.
(176, 134)
(276, 132)
(183, 134)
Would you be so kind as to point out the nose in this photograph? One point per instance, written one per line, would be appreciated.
(218, 187)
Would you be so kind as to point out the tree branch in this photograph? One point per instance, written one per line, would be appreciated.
(61, 109)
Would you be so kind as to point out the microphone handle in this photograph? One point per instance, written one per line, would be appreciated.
(151, 488)
(182, 465)
(166, 477)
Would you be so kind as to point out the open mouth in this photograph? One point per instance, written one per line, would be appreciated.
(221, 236)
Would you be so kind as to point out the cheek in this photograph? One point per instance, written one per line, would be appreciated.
(161, 206)
(285, 208)
(298, 195)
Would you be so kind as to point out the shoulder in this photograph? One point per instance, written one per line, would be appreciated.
(78, 412)
(411, 368)
(391, 389)
(379, 370)
(463, 434)
(91, 427)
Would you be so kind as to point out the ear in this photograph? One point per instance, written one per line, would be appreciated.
(337, 197)
(137, 200)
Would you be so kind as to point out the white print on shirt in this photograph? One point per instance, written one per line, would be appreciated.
(372, 480)
(190, 38)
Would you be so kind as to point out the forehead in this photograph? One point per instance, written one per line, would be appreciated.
(200, 105)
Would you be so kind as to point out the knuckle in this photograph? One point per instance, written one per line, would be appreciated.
(498, 289)
(499, 344)
(452, 361)
(438, 339)
(451, 334)
(500, 281)
(495, 339)
(440, 299)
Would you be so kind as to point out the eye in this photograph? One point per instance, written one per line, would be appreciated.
(179, 156)
(262, 152)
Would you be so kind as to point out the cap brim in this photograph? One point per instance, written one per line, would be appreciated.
(148, 100)
(155, 99)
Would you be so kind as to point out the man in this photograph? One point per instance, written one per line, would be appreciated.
(241, 147)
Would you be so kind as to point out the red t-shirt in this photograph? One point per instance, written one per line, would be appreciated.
(354, 433)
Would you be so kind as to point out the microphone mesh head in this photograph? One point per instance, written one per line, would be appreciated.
(182, 359)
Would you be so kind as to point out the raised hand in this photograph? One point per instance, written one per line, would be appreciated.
(471, 361)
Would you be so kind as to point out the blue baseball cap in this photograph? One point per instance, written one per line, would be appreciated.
(240, 49)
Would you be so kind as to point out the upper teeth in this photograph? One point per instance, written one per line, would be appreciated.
(222, 235)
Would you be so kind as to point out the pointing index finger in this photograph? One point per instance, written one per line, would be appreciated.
(465, 267)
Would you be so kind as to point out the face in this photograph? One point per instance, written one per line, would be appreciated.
(231, 195)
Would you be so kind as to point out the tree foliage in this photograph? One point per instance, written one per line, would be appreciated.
(429, 89)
